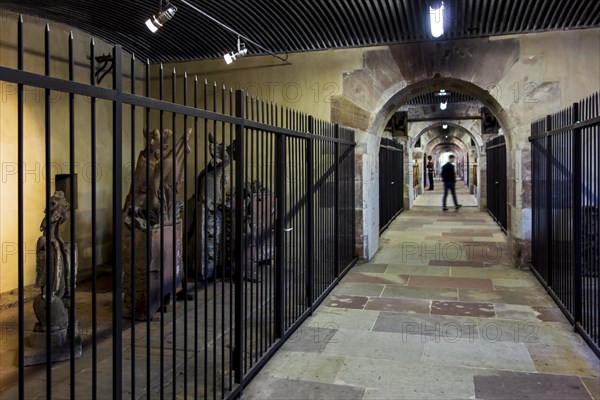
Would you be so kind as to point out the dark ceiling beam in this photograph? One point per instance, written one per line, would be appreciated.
(302, 25)
(450, 118)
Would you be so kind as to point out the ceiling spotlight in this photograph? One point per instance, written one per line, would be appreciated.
(158, 20)
(444, 105)
(446, 136)
(445, 126)
(436, 19)
(232, 56)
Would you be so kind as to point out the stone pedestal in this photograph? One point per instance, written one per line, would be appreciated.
(35, 350)
(147, 269)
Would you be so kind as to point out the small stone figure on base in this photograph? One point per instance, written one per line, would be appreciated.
(58, 284)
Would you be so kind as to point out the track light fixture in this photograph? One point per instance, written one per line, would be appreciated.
(241, 52)
(157, 20)
(436, 20)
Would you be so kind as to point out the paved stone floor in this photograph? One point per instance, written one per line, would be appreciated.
(439, 313)
(434, 198)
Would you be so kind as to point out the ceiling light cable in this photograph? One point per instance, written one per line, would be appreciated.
(238, 34)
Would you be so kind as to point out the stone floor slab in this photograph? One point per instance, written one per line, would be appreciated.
(409, 269)
(376, 345)
(465, 309)
(507, 296)
(336, 318)
(345, 301)
(593, 387)
(310, 367)
(358, 289)
(428, 327)
(479, 353)
(458, 263)
(400, 291)
(451, 282)
(310, 339)
(363, 277)
(408, 380)
(511, 385)
(288, 389)
(370, 267)
(398, 305)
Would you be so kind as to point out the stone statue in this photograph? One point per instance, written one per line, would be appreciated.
(206, 210)
(158, 187)
(58, 283)
(162, 218)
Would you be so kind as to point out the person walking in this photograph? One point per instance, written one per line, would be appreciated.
(449, 179)
(430, 171)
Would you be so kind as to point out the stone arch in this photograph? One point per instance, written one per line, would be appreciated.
(481, 68)
(456, 124)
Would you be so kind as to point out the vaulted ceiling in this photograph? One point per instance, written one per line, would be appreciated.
(302, 25)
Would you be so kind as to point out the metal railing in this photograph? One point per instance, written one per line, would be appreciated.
(566, 212)
(391, 181)
(248, 222)
(496, 180)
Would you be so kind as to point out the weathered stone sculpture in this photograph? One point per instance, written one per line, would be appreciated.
(156, 215)
(206, 212)
(55, 286)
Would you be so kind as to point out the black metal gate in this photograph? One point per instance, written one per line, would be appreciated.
(496, 180)
(391, 181)
(239, 221)
(565, 152)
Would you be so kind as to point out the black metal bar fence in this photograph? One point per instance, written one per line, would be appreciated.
(240, 219)
(496, 180)
(565, 157)
(391, 181)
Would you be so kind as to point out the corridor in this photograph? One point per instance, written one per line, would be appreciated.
(439, 313)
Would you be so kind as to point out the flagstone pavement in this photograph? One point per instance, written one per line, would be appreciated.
(439, 313)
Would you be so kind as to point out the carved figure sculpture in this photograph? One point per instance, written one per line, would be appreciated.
(207, 211)
(153, 140)
(158, 187)
(58, 281)
(152, 202)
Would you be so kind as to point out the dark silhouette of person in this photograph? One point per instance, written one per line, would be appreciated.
(430, 172)
(449, 179)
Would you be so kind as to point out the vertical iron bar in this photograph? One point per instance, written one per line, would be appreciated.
(94, 226)
(231, 250)
(239, 237)
(204, 234)
(576, 150)
(132, 270)
(280, 175)
(310, 266)
(215, 252)
(174, 231)
(336, 201)
(223, 246)
(162, 236)
(20, 201)
(253, 264)
(48, 215)
(73, 248)
(117, 228)
(196, 217)
(184, 241)
(549, 225)
(148, 233)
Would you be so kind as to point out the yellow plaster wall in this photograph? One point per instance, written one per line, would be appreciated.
(34, 145)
